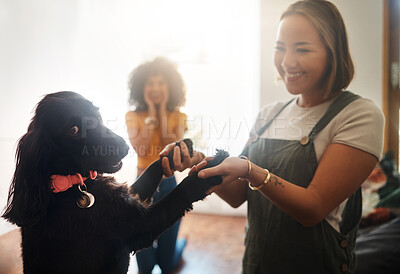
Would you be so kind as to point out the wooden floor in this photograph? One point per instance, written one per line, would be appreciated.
(10, 260)
(214, 246)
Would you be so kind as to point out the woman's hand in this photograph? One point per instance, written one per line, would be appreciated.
(230, 169)
(178, 163)
(164, 100)
(148, 100)
(200, 165)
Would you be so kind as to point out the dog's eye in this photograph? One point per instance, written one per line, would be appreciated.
(73, 130)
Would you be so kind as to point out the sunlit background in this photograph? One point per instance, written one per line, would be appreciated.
(91, 46)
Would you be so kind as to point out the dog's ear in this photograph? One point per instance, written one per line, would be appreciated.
(29, 193)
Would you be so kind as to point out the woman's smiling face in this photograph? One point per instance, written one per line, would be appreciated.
(156, 87)
(300, 56)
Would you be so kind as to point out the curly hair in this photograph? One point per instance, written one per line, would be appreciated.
(159, 66)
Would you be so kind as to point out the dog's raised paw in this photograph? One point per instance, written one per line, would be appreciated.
(197, 188)
(189, 145)
(220, 156)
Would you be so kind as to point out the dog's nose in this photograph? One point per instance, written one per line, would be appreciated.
(125, 150)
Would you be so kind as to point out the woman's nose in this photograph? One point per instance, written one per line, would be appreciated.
(156, 87)
(289, 60)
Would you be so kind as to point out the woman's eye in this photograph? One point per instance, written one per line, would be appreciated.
(74, 130)
(303, 50)
(279, 48)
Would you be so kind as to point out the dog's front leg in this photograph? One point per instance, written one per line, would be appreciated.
(163, 214)
(160, 216)
(148, 182)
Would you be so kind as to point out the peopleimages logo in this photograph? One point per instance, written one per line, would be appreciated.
(207, 132)
(200, 126)
(218, 128)
(101, 150)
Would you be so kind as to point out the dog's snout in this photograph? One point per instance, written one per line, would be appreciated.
(125, 150)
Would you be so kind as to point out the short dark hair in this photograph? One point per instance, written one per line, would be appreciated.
(159, 66)
(330, 25)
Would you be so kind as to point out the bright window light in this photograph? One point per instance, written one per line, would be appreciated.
(91, 47)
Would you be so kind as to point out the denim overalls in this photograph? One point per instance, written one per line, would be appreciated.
(277, 243)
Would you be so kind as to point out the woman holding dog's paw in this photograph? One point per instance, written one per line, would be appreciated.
(305, 161)
(157, 91)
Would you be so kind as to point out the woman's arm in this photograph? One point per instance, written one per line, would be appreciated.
(340, 172)
(170, 133)
(234, 193)
(233, 190)
(140, 137)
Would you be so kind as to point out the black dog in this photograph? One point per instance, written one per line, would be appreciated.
(84, 223)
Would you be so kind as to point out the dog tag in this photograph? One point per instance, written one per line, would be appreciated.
(86, 200)
(91, 198)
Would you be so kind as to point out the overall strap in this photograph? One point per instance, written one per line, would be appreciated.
(264, 128)
(245, 151)
(340, 102)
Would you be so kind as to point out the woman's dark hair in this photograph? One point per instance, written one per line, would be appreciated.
(328, 21)
(159, 66)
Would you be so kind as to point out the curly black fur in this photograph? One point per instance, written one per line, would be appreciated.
(67, 136)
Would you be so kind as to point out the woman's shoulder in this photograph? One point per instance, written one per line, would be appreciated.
(361, 125)
(361, 114)
(365, 102)
(363, 107)
(177, 114)
(133, 114)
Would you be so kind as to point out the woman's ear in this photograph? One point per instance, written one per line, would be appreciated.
(29, 193)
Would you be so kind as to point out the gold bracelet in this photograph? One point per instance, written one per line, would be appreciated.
(248, 168)
(263, 183)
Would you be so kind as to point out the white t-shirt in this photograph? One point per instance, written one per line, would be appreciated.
(360, 124)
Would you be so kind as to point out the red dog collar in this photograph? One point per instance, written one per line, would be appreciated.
(60, 183)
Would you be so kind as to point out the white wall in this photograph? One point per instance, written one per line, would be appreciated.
(363, 19)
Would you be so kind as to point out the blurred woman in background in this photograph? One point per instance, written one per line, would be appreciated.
(157, 91)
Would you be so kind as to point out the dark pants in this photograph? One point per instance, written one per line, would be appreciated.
(166, 251)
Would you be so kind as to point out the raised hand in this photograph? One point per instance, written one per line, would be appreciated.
(148, 100)
(182, 158)
(230, 169)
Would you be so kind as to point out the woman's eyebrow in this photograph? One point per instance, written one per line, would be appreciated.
(302, 43)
